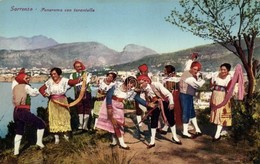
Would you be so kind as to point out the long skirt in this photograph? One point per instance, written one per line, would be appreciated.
(118, 114)
(177, 108)
(97, 107)
(59, 116)
(221, 116)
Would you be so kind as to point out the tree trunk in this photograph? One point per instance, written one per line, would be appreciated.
(251, 83)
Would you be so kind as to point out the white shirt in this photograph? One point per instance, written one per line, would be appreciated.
(194, 82)
(59, 89)
(160, 88)
(219, 81)
(188, 65)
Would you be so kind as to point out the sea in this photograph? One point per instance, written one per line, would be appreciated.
(6, 106)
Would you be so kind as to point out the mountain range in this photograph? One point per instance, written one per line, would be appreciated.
(43, 52)
(51, 53)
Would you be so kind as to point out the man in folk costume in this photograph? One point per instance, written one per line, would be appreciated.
(193, 57)
(189, 83)
(21, 100)
(156, 92)
(84, 106)
(140, 109)
(171, 82)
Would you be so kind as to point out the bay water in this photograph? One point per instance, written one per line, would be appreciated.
(6, 106)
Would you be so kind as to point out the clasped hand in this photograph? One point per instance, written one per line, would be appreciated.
(171, 106)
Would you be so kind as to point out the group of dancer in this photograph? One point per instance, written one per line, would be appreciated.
(171, 100)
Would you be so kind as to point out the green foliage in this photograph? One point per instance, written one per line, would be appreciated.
(7, 142)
(217, 20)
(246, 124)
(232, 24)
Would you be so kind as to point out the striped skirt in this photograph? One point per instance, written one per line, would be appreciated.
(221, 116)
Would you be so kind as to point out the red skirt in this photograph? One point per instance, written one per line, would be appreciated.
(177, 108)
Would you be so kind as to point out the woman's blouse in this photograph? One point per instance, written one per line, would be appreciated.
(57, 89)
(216, 80)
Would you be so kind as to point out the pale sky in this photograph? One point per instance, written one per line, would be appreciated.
(114, 23)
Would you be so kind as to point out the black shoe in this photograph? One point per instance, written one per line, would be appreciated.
(176, 142)
(112, 145)
(125, 148)
(163, 132)
(185, 136)
(150, 146)
(197, 134)
(158, 130)
(216, 139)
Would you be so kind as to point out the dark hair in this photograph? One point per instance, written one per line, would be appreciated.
(130, 79)
(227, 65)
(169, 68)
(113, 74)
(58, 70)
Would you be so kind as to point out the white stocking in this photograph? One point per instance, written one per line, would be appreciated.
(85, 122)
(219, 128)
(122, 142)
(195, 124)
(57, 139)
(139, 119)
(17, 142)
(40, 133)
(80, 121)
(165, 128)
(114, 141)
(185, 130)
(174, 134)
(153, 131)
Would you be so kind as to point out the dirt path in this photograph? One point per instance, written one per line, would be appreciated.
(82, 148)
(200, 149)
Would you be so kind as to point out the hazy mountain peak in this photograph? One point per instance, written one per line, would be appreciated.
(26, 43)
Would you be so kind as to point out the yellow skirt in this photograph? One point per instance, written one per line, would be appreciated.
(59, 116)
(220, 116)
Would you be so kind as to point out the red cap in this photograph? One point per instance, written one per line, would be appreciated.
(82, 65)
(196, 64)
(20, 78)
(143, 68)
(144, 78)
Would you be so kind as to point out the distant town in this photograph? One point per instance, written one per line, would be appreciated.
(39, 75)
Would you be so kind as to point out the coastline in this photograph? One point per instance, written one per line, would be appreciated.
(34, 79)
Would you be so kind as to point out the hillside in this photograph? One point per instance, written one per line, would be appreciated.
(92, 54)
(211, 57)
(97, 55)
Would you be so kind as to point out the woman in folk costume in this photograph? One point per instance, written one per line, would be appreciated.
(157, 93)
(103, 86)
(189, 83)
(111, 116)
(59, 115)
(171, 82)
(84, 106)
(221, 84)
(21, 100)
